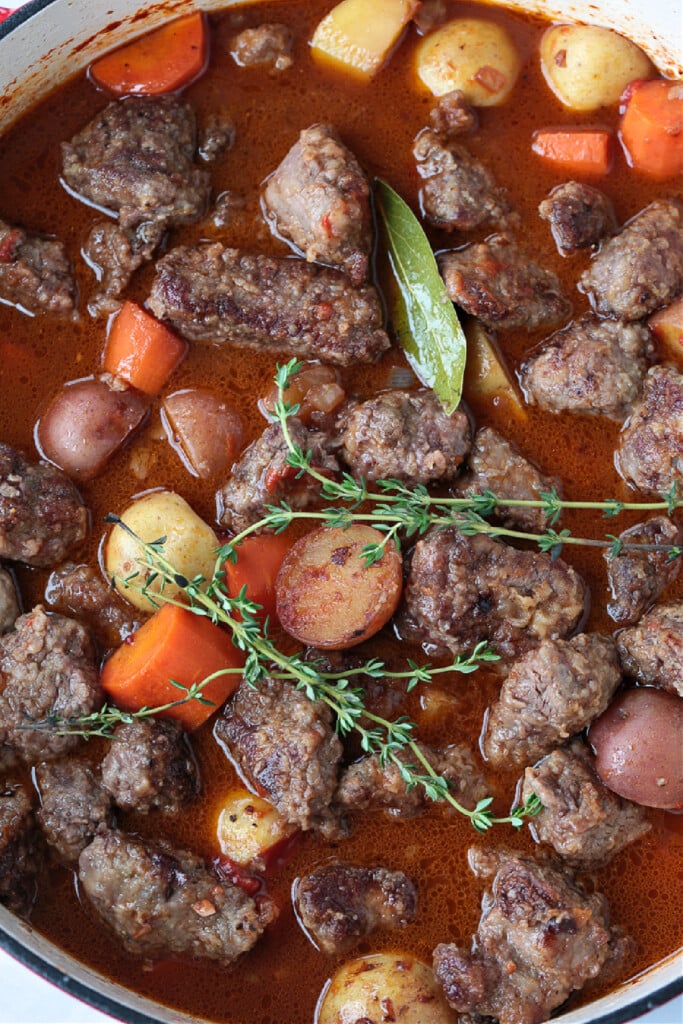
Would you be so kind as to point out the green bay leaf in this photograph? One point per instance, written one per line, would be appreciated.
(422, 315)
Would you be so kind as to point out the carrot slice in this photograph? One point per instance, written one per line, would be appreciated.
(575, 151)
(258, 563)
(162, 61)
(652, 127)
(174, 644)
(141, 350)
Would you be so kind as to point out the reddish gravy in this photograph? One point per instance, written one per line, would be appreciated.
(280, 980)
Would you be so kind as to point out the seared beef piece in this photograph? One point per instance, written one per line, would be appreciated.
(585, 823)
(149, 767)
(367, 784)
(266, 44)
(591, 366)
(41, 513)
(80, 590)
(263, 477)
(494, 281)
(579, 216)
(338, 904)
(319, 199)
(458, 191)
(9, 606)
(452, 115)
(48, 668)
(74, 807)
(404, 436)
(650, 454)
(135, 158)
(462, 590)
(35, 273)
(20, 853)
(495, 464)
(216, 294)
(637, 578)
(286, 746)
(161, 901)
(217, 136)
(641, 268)
(652, 650)
(550, 694)
(540, 938)
(115, 254)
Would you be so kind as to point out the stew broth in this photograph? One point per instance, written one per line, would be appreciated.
(279, 981)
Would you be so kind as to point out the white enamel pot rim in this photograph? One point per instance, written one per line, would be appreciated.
(49, 39)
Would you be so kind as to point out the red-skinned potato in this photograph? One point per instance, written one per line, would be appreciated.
(204, 429)
(328, 597)
(638, 743)
(86, 423)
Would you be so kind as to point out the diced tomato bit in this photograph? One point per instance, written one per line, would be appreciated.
(8, 245)
(239, 876)
(326, 225)
(276, 474)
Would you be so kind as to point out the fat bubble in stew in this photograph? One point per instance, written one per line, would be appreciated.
(340, 496)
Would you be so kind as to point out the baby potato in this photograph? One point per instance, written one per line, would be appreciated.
(473, 55)
(249, 828)
(326, 594)
(190, 545)
(589, 67)
(362, 989)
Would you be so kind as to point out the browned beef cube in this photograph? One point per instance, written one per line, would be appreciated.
(81, 591)
(149, 767)
(73, 807)
(580, 216)
(20, 851)
(639, 577)
(652, 650)
(35, 272)
(650, 454)
(269, 44)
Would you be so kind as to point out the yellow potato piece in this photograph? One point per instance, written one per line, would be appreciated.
(486, 374)
(473, 55)
(358, 35)
(249, 827)
(190, 545)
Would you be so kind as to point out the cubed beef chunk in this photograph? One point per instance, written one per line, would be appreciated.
(9, 605)
(458, 191)
(462, 590)
(149, 767)
(35, 272)
(453, 115)
(81, 591)
(20, 851)
(338, 904)
(74, 807)
(285, 744)
(217, 135)
(263, 476)
(114, 254)
(641, 268)
(497, 465)
(496, 282)
(216, 294)
(650, 454)
(319, 199)
(404, 436)
(579, 215)
(161, 901)
(639, 577)
(652, 650)
(585, 823)
(368, 783)
(48, 669)
(270, 43)
(592, 366)
(550, 694)
(42, 516)
(540, 937)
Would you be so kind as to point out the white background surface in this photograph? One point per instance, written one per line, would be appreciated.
(27, 999)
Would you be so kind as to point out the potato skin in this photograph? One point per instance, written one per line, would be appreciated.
(638, 743)
(190, 543)
(362, 989)
(326, 596)
(589, 67)
(473, 55)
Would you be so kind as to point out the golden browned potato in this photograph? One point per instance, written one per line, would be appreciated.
(326, 594)
(190, 544)
(357, 36)
(362, 989)
(249, 827)
(589, 67)
(473, 55)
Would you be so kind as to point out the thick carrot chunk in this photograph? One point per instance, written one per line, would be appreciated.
(652, 127)
(141, 350)
(576, 151)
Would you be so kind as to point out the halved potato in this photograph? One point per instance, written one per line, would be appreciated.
(358, 35)
(486, 374)
(473, 55)
(249, 827)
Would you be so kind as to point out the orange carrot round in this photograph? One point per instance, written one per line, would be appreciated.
(575, 151)
(174, 644)
(652, 127)
(141, 350)
(159, 62)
